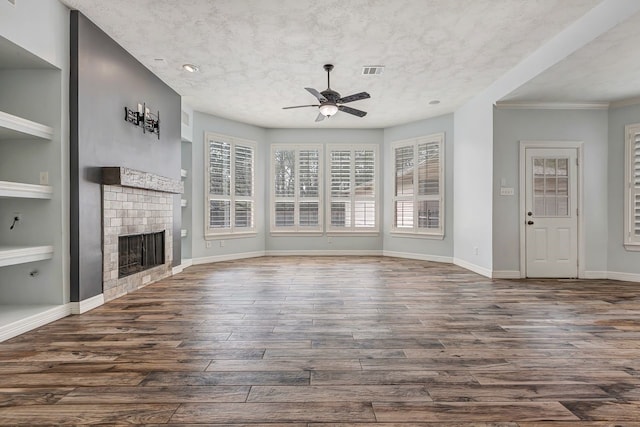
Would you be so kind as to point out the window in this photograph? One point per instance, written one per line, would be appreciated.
(418, 198)
(353, 189)
(296, 188)
(229, 186)
(632, 191)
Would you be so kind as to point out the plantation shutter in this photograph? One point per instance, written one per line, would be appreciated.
(284, 191)
(364, 191)
(418, 198)
(632, 197)
(309, 188)
(296, 189)
(230, 181)
(244, 166)
(219, 184)
(403, 205)
(428, 200)
(340, 188)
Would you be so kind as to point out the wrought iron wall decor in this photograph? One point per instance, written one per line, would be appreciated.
(143, 117)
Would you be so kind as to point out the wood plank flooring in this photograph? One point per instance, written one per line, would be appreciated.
(336, 341)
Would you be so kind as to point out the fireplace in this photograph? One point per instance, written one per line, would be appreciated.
(139, 252)
(137, 229)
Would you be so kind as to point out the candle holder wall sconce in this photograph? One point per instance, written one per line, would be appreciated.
(144, 118)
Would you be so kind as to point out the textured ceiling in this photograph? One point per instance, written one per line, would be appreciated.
(256, 56)
(605, 70)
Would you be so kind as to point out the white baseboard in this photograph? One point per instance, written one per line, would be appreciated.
(475, 268)
(229, 257)
(626, 277)
(180, 268)
(505, 274)
(32, 322)
(595, 275)
(421, 257)
(325, 253)
(86, 305)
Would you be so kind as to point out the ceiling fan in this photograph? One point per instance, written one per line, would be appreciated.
(330, 100)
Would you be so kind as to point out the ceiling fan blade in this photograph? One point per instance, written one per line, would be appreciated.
(320, 117)
(301, 106)
(353, 111)
(317, 94)
(354, 97)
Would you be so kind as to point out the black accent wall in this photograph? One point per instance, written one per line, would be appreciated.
(104, 79)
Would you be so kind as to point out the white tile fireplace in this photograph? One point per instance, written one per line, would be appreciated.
(135, 202)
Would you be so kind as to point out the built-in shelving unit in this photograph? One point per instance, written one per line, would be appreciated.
(14, 127)
(12, 255)
(21, 190)
(33, 290)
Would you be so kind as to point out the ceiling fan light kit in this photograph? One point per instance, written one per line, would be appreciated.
(331, 102)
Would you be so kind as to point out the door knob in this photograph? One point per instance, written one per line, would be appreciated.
(529, 213)
(530, 222)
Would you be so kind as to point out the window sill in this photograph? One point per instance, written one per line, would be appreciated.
(353, 233)
(296, 233)
(220, 236)
(633, 247)
(420, 235)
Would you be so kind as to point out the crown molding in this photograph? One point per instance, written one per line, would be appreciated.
(509, 105)
(625, 102)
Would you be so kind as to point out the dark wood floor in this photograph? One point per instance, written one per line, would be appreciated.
(317, 341)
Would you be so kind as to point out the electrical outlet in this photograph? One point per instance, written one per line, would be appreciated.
(329, 240)
(507, 191)
(222, 243)
(44, 178)
(208, 245)
(476, 251)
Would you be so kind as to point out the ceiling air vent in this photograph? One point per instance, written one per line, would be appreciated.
(369, 70)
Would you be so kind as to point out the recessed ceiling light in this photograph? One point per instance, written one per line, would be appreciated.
(434, 102)
(191, 68)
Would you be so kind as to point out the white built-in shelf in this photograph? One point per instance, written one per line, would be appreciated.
(183, 233)
(24, 191)
(12, 255)
(184, 203)
(14, 127)
(183, 173)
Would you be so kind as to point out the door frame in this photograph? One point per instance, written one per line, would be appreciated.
(578, 146)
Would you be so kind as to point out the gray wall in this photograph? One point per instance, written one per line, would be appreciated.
(206, 123)
(419, 246)
(324, 137)
(512, 126)
(105, 79)
(620, 260)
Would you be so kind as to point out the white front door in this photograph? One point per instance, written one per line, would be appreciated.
(551, 217)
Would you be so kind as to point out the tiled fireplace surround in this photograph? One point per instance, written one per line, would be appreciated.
(134, 202)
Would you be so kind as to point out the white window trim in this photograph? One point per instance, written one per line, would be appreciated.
(231, 232)
(415, 231)
(631, 242)
(353, 231)
(296, 229)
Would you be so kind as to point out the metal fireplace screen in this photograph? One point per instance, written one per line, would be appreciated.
(139, 252)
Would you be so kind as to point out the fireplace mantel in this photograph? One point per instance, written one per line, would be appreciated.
(127, 177)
